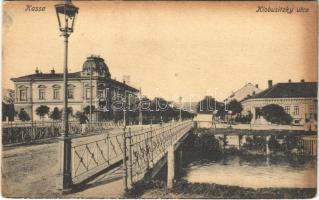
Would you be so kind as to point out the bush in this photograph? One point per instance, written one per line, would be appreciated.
(206, 143)
(23, 115)
(244, 119)
(276, 114)
(56, 114)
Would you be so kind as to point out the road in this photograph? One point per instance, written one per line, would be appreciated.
(29, 171)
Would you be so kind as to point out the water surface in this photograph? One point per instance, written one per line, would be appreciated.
(254, 171)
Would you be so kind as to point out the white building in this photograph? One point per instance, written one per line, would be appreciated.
(34, 90)
(299, 99)
(204, 120)
(247, 90)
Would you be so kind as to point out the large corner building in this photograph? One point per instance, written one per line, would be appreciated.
(40, 88)
(299, 99)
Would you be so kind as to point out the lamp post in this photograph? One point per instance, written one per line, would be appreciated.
(180, 108)
(214, 117)
(140, 116)
(66, 13)
(229, 114)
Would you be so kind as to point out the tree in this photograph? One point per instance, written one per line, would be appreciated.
(23, 115)
(86, 110)
(42, 111)
(69, 111)
(81, 117)
(207, 105)
(56, 114)
(275, 114)
(8, 96)
(235, 106)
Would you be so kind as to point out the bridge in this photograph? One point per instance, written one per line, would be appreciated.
(140, 151)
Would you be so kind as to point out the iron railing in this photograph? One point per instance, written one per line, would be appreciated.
(31, 132)
(139, 148)
(91, 157)
(146, 147)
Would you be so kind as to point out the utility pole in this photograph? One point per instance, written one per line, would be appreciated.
(180, 108)
(140, 109)
(91, 96)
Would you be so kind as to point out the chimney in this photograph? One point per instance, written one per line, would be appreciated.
(289, 81)
(37, 70)
(257, 85)
(52, 71)
(269, 83)
(302, 80)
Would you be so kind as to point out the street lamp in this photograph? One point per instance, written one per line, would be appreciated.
(180, 108)
(214, 116)
(229, 114)
(66, 13)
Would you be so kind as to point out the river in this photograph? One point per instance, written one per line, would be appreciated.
(254, 171)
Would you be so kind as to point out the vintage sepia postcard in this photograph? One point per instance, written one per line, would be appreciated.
(159, 99)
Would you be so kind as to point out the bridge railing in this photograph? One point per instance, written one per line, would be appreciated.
(92, 157)
(147, 146)
(31, 132)
(140, 148)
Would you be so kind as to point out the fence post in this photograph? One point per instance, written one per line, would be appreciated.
(108, 147)
(130, 158)
(147, 150)
(170, 133)
(124, 161)
(151, 146)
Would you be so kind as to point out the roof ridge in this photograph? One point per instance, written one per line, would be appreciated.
(271, 89)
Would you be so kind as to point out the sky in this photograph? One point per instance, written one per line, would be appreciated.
(169, 49)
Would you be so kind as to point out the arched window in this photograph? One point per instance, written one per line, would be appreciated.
(87, 89)
(101, 91)
(56, 91)
(42, 89)
(71, 91)
(23, 93)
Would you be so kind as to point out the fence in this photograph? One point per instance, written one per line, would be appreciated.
(140, 148)
(31, 132)
(147, 146)
(307, 145)
(89, 158)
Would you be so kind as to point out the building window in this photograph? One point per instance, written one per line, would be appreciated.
(287, 109)
(70, 93)
(88, 93)
(56, 93)
(23, 95)
(100, 94)
(41, 94)
(296, 110)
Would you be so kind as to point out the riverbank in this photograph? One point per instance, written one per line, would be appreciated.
(183, 189)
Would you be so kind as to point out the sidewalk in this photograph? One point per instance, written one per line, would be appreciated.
(108, 185)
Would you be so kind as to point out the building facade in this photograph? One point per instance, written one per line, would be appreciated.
(299, 99)
(34, 90)
(247, 90)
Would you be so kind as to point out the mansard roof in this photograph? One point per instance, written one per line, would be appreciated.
(289, 90)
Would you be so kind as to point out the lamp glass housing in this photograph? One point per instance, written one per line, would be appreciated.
(66, 13)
